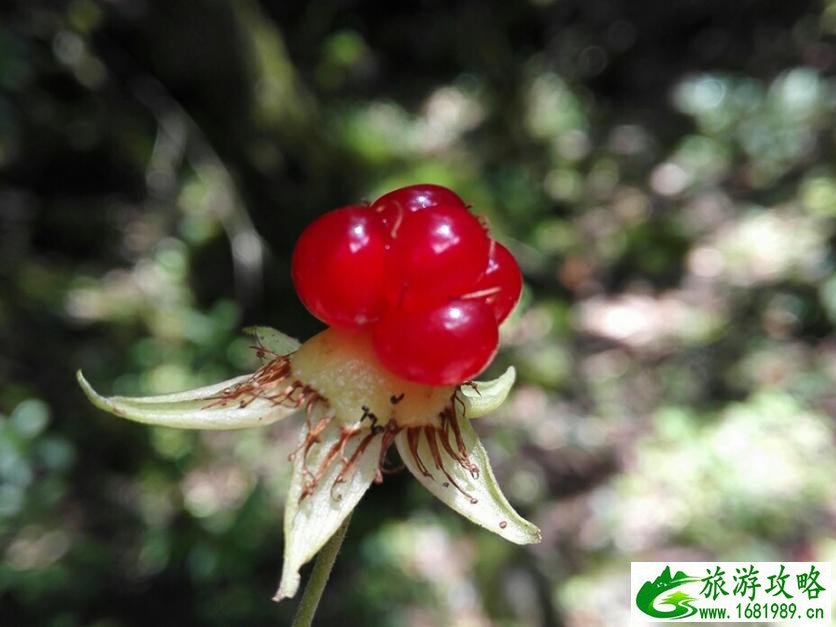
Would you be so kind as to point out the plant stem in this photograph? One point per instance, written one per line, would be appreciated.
(319, 577)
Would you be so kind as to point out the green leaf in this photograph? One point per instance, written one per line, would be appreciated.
(483, 397)
(478, 496)
(273, 340)
(196, 409)
(309, 523)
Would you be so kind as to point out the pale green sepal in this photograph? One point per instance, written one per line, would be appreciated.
(309, 524)
(483, 397)
(273, 340)
(491, 509)
(196, 409)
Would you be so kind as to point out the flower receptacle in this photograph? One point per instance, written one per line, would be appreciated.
(342, 367)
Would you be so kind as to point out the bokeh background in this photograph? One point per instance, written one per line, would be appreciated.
(663, 170)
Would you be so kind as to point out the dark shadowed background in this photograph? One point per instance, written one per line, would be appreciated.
(663, 171)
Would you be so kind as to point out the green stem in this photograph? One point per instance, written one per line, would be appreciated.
(319, 577)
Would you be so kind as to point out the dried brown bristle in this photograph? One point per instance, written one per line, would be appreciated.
(270, 382)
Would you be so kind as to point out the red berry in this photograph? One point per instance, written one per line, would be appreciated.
(502, 280)
(394, 206)
(444, 345)
(339, 267)
(438, 254)
(417, 197)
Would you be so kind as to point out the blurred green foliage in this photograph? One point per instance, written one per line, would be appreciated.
(663, 172)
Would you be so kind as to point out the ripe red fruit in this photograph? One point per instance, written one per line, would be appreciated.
(444, 345)
(339, 267)
(420, 272)
(394, 206)
(417, 197)
(502, 280)
(439, 253)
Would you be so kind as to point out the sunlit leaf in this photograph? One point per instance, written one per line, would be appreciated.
(202, 408)
(483, 397)
(473, 492)
(311, 521)
(273, 340)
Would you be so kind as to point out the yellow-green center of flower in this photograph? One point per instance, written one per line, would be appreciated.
(342, 367)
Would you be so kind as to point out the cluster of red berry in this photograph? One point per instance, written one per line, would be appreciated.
(417, 269)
